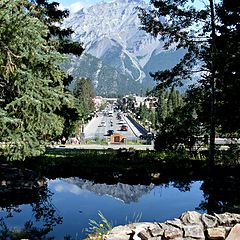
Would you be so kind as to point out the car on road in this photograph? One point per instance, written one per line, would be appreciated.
(121, 122)
(110, 132)
(102, 124)
(124, 128)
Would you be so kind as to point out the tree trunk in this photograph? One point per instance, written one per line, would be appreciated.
(213, 98)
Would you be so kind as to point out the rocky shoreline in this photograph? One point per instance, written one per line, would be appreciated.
(190, 225)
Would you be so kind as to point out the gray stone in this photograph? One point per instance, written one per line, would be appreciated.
(193, 231)
(163, 225)
(144, 235)
(234, 233)
(157, 231)
(172, 232)
(209, 221)
(121, 229)
(228, 219)
(139, 227)
(119, 233)
(176, 223)
(191, 227)
(117, 236)
(218, 233)
(192, 218)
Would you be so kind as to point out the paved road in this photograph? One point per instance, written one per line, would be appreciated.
(98, 146)
(94, 129)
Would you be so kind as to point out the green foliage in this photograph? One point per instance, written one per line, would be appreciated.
(215, 92)
(227, 66)
(53, 17)
(178, 130)
(168, 102)
(98, 229)
(84, 93)
(32, 84)
(143, 112)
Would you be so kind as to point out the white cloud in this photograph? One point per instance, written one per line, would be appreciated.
(75, 7)
(59, 188)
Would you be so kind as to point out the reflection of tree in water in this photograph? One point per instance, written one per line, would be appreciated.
(182, 186)
(45, 215)
(221, 194)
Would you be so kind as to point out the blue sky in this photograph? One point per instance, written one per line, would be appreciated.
(75, 5)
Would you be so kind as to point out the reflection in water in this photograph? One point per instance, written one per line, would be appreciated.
(221, 194)
(42, 221)
(65, 207)
(124, 192)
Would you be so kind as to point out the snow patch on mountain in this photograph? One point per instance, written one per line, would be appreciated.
(111, 32)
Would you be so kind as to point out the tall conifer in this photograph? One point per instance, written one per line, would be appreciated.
(31, 82)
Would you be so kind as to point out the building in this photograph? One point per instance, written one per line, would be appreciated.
(98, 101)
(149, 101)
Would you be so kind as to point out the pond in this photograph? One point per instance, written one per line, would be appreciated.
(66, 205)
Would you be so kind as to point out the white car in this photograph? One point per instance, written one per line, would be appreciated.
(121, 122)
(102, 124)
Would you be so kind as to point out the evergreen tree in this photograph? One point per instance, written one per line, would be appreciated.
(178, 129)
(31, 83)
(167, 103)
(180, 23)
(161, 111)
(53, 17)
(227, 67)
(60, 38)
(84, 93)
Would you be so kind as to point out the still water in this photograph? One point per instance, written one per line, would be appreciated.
(68, 204)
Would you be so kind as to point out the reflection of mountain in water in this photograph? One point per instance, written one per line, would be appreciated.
(125, 192)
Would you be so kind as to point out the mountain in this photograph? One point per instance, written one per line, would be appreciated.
(107, 81)
(124, 192)
(111, 33)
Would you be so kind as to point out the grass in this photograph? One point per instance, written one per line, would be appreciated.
(97, 230)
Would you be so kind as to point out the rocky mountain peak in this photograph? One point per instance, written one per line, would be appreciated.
(110, 31)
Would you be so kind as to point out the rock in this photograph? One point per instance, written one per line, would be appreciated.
(234, 233)
(144, 235)
(123, 229)
(190, 226)
(218, 233)
(172, 232)
(209, 221)
(176, 223)
(156, 231)
(141, 227)
(193, 231)
(117, 236)
(191, 217)
(119, 233)
(228, 219)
